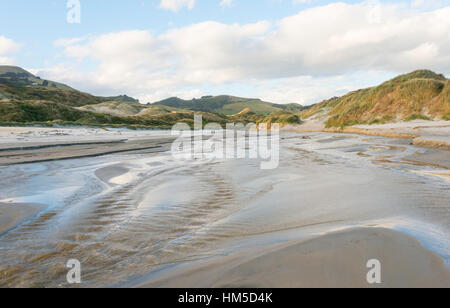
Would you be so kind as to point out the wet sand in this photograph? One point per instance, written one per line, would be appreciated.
(12, 215)
(108, 173)
(337, 259)
(429, 134)
(135, 216)
(50, 147)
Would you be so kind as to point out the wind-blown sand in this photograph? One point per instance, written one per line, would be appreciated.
(337, 259)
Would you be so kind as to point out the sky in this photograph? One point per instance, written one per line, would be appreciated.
(281, 51)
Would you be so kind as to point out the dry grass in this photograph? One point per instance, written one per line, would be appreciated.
(419, 95)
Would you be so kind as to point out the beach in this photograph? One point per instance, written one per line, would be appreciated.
(333, 260)
(134, 215)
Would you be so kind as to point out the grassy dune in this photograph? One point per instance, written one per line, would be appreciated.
(418, 95)
(115, 108)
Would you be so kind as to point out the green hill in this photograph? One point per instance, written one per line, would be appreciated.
(421, 94)
(66, 97)
(226, 105)
(16, 76)
(123, 99)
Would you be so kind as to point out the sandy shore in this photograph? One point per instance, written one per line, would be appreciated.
(337, 259)
(430, 134)
(46, 145)
(12, 215)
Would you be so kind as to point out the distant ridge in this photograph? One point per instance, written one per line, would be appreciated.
(228, 105)
(123, 99)
(16, 76)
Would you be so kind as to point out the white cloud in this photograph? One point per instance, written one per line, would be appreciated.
(326, 41)
(176, 5)
(7, 47)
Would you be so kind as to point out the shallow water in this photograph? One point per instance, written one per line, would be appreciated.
(154, 211)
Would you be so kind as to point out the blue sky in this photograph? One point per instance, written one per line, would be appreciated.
(278, 50)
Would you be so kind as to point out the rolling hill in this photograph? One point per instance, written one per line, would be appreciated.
(123, 99)
(16, 76)
(228, 105)
(421, 94)
(66, 97)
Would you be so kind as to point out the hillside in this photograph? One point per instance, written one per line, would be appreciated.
(115, 108)
(16, 76)
(66, 97)
(27, 99)
(419, 95)
(15, 112)
(123, 99)
(227, 105)
(281, 117)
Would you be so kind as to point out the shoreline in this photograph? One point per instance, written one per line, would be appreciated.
(38, 145)
(425, 134)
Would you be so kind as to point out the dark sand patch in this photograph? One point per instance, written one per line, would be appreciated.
(107, 173)
(13, 214)
(432, 157)
(53, 152)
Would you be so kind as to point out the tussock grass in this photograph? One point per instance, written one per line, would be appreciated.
(418, 95)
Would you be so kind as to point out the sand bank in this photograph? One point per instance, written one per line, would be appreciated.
(44, 152)
(423, 133)
(337, 259)
(12, 215)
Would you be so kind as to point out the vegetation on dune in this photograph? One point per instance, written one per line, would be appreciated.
(115, 108)
(49, 113)
(418, 95)
(292, 107)
(417, 117)
(282, 117)
(159, 109)
(45, 111)
(67, 97)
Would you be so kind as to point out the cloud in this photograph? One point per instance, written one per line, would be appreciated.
(323, 42)
(7, 46)
(176, 5)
